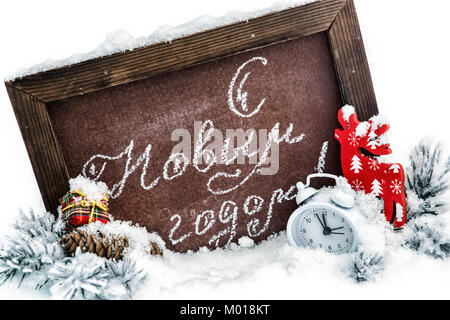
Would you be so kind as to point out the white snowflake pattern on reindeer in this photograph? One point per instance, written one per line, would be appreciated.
(396, 186)
(374, 164)
(357, 185)
(354, 139)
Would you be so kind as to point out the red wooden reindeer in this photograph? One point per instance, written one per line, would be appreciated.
(361, 143)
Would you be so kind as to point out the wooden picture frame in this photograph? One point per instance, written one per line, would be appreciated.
(31, 94)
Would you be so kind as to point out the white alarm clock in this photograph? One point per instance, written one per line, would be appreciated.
(327, 223)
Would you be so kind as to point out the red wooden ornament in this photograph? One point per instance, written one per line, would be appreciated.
(361, 143)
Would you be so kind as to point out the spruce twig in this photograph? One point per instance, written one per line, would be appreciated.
(428, 239)
(366, 266)
(427, 180)
(33, 246)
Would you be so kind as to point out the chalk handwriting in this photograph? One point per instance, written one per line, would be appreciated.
(241, 95)
(174, 229)
(211, 149)
(229, 213)
(116, 189)
(274, 137)
(323, 155)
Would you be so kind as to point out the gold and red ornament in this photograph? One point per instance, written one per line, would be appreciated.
(87, 202)
(78, 210)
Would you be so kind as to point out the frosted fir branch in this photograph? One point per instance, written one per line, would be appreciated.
(429, 240)
(33, 247)
(82, 277)
(427, 180)
(365, 267)
(124, 279)
(39, 225)
(88, 276)
(23, 257)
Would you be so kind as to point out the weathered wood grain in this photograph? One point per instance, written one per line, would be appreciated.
(160, 58)
(352, 68)
(42, 146)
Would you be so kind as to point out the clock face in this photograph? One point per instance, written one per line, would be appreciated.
(323, 228)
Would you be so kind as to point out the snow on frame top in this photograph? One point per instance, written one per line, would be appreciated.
(121, 40)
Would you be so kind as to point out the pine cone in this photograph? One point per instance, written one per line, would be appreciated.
(155, 250)
(100, 244)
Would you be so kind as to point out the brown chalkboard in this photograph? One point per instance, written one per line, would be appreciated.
(202, 140)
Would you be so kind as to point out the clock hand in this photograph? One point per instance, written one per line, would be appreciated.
(326, 230)
(319, 220)
(324, 221)
(337, 233)
(337, 228)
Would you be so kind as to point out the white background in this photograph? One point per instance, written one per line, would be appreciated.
(406, 43)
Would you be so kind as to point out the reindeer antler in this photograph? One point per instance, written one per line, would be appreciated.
(372, 139)
(361, 134)
(348, 119)
(382, 130)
